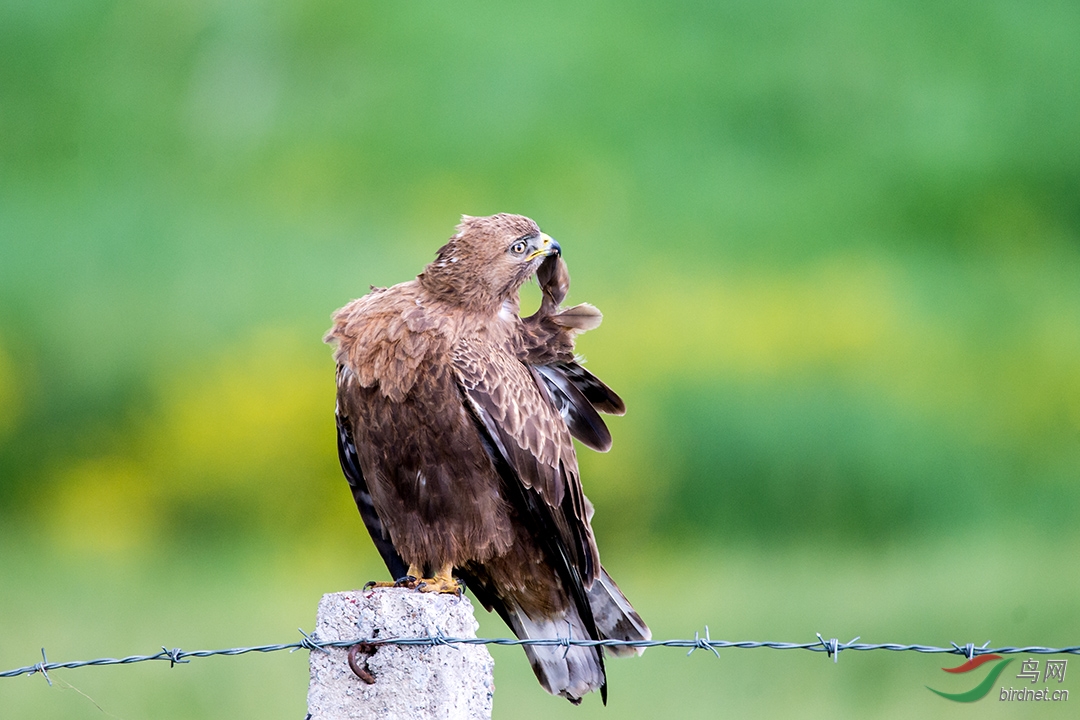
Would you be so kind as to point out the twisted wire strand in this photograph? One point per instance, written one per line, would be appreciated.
(831, 647)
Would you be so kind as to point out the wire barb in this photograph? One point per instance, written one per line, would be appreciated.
(176, 655)
(970, 651)
(706, 644)
(833, 646)
(830, 647)
(309, 643)
(43, 667)
(568, 639)
(441, 639)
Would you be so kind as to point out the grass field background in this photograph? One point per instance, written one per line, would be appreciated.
(838, 251)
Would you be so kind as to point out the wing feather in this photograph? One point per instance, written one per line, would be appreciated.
(551, 531)
(533, 440)
(579, 414)
(350, 466)
(593, 388)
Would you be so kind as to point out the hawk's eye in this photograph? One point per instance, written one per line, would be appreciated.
(519, 247)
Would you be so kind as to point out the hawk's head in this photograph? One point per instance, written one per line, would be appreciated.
(487, 260)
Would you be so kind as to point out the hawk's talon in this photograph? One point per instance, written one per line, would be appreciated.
(406, 582)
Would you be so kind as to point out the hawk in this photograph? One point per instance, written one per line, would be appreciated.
(454, 422)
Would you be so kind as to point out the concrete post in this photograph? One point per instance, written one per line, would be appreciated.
(414, 682)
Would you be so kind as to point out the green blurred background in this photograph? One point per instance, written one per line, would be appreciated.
(838, 249)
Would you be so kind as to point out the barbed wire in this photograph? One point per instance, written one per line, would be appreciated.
(832, 647)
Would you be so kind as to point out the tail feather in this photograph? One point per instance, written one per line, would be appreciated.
(569, 672)
(615, 618)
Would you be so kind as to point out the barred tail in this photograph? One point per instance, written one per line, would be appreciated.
(569, 672)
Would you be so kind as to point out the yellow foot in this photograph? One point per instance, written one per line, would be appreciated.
(443, 582)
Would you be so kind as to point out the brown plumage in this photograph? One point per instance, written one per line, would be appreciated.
(455, 419)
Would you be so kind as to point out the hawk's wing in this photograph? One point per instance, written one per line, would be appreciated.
(527, 431)
(530, 447)
(350, 465)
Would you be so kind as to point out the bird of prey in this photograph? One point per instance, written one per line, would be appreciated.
(455, 418)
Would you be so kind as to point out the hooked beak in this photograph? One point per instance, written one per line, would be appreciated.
(544, 245)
